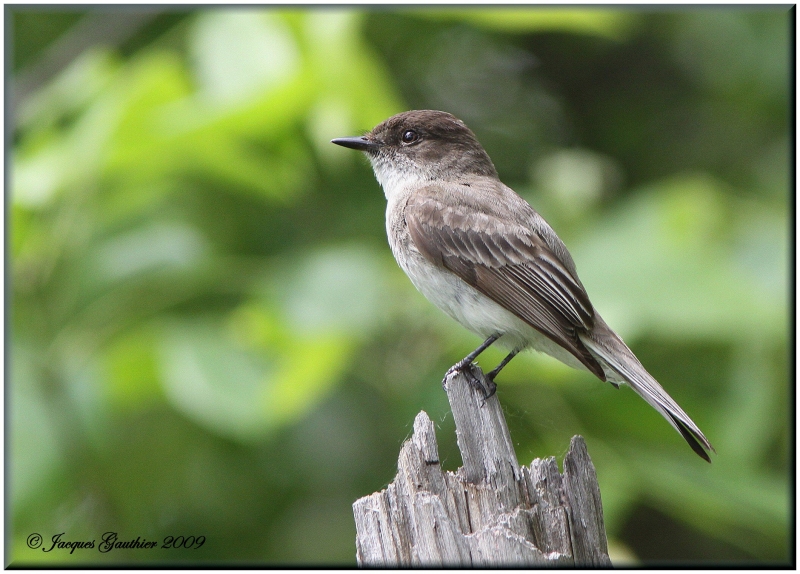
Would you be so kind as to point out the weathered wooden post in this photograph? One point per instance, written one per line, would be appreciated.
(491, 512)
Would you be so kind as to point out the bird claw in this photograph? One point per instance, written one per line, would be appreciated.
(492, 388)
(474, 381)
(459, 366)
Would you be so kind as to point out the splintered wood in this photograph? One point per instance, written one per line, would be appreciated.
(491, 512)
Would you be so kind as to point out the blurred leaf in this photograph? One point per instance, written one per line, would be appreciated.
(308, 362)
(752, 410)
(131, 364)
(750, 60)
(726, 505)
(35, 446)
(335, 290)
(309, 369)
(69, 93)
(156, 246)
(611, 24)
(661, 264)
(244, 393)
(215, 382)
(241, 53)
(346, 68)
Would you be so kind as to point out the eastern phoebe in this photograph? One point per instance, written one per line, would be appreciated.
(485, 257)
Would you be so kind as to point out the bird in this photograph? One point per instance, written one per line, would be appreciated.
(480, 253)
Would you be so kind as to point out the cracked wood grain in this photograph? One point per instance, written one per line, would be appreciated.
(491, 511)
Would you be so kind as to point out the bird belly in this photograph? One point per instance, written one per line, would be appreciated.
(476, 311)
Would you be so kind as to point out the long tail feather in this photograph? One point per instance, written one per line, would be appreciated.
(618, 360)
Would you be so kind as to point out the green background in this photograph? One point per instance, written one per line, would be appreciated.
(209, 335)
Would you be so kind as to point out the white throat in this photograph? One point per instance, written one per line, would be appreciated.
(394, 178)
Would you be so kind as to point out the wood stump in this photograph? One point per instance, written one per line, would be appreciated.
(491, 511)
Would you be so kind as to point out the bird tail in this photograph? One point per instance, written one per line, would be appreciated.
(622, 366)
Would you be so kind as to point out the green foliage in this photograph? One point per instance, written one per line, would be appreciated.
(602, 22)
(209, 335)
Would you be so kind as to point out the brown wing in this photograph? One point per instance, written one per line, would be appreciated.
(507, 262)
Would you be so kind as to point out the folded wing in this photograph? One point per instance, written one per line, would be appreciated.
(509, 263)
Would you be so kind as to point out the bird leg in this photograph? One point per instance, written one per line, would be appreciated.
(502, 364)
(490, 376)
(465, 366)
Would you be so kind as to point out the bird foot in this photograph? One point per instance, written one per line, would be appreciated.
(475, 381)
(492, 386)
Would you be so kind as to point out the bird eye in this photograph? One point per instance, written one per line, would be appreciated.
(410, 136)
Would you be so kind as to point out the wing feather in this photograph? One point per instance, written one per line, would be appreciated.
(509, 263)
